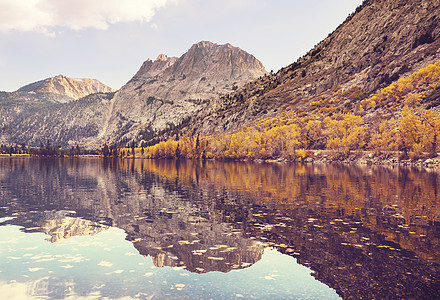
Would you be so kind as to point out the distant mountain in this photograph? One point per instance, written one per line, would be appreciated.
(65, 86)
(50, 110)
(64, 124)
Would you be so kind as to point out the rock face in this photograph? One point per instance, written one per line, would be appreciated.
(65, 86)
(166, 92)
(384, 40)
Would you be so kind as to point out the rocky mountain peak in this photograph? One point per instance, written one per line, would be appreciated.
(161, 57)
(219, 62)
(152, 68)
(203, 44)
(74, 88)
(168, 90)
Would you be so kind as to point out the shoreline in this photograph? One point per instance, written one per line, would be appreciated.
(314, 156)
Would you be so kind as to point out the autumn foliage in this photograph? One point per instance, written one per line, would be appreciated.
(412, 129)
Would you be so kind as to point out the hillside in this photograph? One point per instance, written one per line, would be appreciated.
(378, 44)
(370, 85)
(63, 124)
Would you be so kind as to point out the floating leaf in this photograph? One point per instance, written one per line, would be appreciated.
(105, 264)
(216, 258)
(239, 296)
(34, 269)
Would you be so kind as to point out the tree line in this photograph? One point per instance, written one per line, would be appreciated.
(45, 150)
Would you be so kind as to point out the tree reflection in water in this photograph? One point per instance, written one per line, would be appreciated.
(367, 232)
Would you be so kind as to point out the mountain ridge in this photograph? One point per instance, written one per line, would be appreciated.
(74, 88)
(164, 92)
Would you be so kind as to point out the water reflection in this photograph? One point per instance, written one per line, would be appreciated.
(367, 232)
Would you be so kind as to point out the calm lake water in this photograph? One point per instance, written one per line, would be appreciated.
(146, 229)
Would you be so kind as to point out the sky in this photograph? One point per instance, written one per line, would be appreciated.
(109, 40)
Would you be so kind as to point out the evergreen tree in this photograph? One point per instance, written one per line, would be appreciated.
(105, 151)
(178, 151)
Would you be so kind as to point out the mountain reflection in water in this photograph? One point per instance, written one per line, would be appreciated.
(367, 232)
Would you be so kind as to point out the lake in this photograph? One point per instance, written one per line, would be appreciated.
(166, 229)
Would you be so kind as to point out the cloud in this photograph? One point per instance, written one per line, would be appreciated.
(43, 15)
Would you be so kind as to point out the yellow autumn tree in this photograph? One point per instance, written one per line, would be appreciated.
(282, 140)
(313, 132)
(385, 137)
(410, 133)
(187, 146)
(345, 132)
(430, 130)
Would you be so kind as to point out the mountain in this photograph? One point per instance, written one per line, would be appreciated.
(166, 92)
(220, 88)
(51, 109)
(64, 124)
(65, 86)
(383, 41)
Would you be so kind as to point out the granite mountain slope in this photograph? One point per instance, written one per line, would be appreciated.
(167, 92)
(382, 41)
(64, 124)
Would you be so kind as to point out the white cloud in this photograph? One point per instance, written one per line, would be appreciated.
(42, 15)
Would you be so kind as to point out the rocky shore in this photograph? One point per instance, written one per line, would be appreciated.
(369, 158)
(326, 157)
